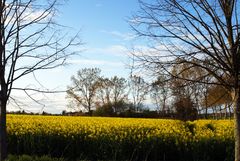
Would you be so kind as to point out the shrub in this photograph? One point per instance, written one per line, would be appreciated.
(104, 110)
(185, 109)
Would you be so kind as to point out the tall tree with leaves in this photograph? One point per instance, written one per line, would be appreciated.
(207, 31)
(29, 41)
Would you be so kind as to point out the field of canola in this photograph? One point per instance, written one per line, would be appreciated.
(98, 138)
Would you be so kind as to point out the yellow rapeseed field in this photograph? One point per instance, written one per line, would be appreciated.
(119, 128)
(120, 138)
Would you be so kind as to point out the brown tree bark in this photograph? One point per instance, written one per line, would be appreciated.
(237, 124)
(3, 129)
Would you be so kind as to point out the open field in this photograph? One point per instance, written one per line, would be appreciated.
(98, 138)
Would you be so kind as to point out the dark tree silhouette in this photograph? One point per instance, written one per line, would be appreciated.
(202, 33)
(29, 41)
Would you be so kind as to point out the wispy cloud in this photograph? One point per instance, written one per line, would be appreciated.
(29, 14)
(53, 103)
(119, 50)
(98, 5)
(123, 36)
(135, 21)
(93, 62)
(158, 50)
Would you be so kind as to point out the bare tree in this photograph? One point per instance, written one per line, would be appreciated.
(29, 41)
(138, 91)
(204, 90)
(112, 92)
(104, 91)
(119, 89)
(84, 88)
(159, 93)
(218, 96)
(201, 30)
(191, 89)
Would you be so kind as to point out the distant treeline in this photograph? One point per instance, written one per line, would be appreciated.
(169, 97)
(134, 114)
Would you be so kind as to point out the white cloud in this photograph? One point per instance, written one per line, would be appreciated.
(33, 15)
(93, 62)
(135, 20)
(98, 5)
(123, 36)
(29, 14)
(158, 50)
(113, 50)
(53, 103)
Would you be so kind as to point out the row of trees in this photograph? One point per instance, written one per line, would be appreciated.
(90, 91)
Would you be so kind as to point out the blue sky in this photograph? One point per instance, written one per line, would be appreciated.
(107, 37)
(104, 30)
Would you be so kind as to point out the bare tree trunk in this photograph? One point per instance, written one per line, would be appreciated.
(3, 133)
(164, 106)
(226, 112)
(221, 113)
(237, 124)
(230, 111)
(3, 130)
(206, 112)
(213, 112)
